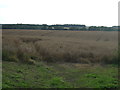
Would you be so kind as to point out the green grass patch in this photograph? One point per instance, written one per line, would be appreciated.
(41, 75)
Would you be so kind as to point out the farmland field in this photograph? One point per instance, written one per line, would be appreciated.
(60, 59)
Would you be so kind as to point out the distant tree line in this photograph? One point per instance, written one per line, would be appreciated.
(60, 27)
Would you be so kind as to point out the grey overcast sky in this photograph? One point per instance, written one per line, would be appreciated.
(88, 12)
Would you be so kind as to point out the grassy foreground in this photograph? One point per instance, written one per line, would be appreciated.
(67, 75)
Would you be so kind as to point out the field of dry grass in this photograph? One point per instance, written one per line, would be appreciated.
(60, 46)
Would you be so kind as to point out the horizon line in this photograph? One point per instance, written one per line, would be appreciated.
(63, 24)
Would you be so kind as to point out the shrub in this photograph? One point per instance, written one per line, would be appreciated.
(9, 56)
(58, 82)
(13, 58)
(110, 59)
(22, 56)
(5, 55)
(30, 61)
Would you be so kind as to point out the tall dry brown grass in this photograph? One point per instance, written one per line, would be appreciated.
(60, 46)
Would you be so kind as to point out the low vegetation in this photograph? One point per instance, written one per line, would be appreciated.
(49, 59)
(67, 75)
(31, 49)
